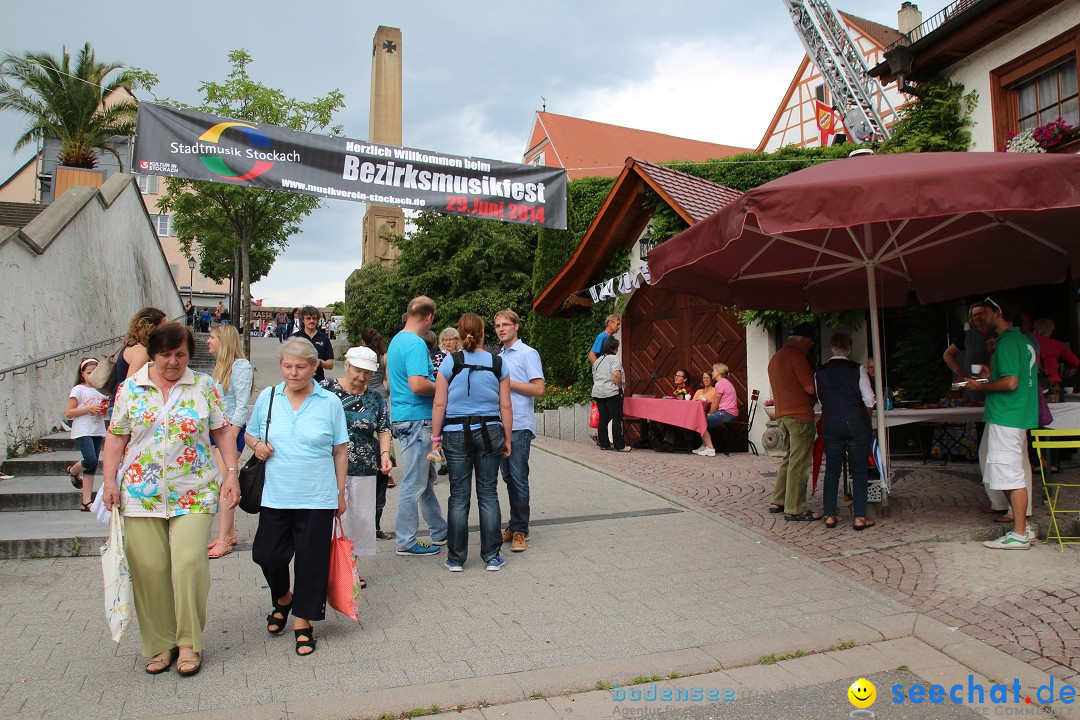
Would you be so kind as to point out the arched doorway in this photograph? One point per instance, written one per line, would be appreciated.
(664, 331)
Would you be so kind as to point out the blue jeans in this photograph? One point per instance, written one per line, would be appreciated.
(850, 439)
(461, 465)
(515, 473)
(90, 447)
(417, 485)
(718, 418)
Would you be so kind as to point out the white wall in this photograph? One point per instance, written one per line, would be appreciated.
(974, 70)
(72, 277)
(760, 347)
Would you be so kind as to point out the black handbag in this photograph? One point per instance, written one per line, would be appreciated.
(253, 473)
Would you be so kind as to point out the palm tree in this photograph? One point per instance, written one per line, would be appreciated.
(68, 103)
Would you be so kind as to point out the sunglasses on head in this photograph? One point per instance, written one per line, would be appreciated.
(992, 305)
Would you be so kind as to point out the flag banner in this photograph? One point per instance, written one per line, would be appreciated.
(190, 144)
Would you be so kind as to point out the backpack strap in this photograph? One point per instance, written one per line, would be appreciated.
(460, 364)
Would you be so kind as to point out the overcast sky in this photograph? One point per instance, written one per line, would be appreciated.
(474, 76)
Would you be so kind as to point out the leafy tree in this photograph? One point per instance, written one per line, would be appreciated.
(464, 264)
(938, 122)
(69, 102)
(241, 225)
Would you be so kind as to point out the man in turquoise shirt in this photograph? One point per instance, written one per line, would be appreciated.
(1012, 408)
(412, 391)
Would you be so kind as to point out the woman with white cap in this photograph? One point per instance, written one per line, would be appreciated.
(368, 421)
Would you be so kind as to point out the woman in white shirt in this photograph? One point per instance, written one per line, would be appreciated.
(233, 375)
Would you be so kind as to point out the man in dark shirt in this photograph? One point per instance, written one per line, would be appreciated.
(309, 316)
(969, 348)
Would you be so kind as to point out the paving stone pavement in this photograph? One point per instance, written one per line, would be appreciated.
(1026, 604)
(612, 571)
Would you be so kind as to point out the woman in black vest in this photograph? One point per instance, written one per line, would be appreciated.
(843, 387)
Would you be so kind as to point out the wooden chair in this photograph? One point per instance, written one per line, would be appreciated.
(738, 429)
(1056, 439)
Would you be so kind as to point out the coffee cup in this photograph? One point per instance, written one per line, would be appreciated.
(976, 368)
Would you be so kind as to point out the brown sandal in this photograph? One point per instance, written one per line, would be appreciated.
(162, 661)
(193, 665)
(866, 524)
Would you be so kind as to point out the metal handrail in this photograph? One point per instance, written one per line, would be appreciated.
(934, 22)
(42, 362)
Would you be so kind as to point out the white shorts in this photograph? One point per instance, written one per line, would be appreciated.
(1006, 456)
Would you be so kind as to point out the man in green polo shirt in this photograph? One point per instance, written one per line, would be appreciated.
(1012, 408)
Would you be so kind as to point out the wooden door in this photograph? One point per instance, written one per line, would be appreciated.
(664, 331)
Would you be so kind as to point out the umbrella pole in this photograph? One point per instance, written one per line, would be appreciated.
(879, 394)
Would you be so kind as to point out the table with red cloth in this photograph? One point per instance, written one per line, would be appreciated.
(687, 414)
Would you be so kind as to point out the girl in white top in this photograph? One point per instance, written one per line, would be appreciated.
(86, 408)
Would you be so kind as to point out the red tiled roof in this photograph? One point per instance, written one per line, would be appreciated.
(883, 35)
(623, 217)
(696, 197)
(594, 149)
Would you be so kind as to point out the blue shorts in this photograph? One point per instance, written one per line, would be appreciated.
(239, 440)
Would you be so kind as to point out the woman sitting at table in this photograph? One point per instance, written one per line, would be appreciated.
(723, 409)
(707, 391)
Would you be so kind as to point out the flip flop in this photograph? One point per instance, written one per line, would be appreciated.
(774, 509)
(220, 549)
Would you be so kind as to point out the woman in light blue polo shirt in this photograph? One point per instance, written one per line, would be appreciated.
(306, 450)
(472, 420)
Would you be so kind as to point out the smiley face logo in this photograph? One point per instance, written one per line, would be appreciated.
(862, 693)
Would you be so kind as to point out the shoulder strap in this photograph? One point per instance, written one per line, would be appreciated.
(459, 364)
(269, 413)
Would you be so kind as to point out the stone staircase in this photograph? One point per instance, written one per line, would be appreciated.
(39, 509)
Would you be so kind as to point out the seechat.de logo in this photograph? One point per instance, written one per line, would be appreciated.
(216, 163)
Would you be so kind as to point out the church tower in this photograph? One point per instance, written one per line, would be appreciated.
(381, 223)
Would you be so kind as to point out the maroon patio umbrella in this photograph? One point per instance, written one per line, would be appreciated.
(866, 231)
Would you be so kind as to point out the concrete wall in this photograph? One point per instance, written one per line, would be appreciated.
(72, 277)
(974, 70)
(760, 347)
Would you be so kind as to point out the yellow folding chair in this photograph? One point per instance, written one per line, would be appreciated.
(1057, 439)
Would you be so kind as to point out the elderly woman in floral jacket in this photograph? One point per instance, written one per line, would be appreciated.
(169, 488)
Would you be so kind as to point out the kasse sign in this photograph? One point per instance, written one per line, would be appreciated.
(191, 144)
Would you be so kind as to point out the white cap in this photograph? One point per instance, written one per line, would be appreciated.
(362, 358)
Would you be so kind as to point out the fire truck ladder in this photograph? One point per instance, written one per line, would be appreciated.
(843, 67)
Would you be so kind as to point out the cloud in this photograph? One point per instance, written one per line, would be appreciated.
(698, 90)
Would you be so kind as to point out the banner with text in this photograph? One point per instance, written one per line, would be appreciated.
(195, 145)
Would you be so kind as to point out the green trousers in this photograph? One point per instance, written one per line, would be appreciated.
(170, 576)
(791, 478)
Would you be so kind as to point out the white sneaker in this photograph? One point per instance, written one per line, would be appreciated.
(700, 450)
(1009, 541)
(707, 452)
(1032, 536)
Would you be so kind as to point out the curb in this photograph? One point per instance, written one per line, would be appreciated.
(737, 655)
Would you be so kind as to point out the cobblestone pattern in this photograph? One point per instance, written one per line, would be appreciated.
(1032, 615)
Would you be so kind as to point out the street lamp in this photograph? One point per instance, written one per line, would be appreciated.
(191, 280)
